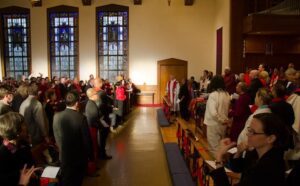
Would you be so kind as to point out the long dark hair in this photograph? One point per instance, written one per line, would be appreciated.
(216, 83)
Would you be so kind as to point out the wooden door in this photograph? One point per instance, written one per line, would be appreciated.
(168, 67)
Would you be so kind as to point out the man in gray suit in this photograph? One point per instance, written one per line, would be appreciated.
(35, 117)
(6, 98)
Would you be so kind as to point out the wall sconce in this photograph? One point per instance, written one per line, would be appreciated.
(137, 2)
(86, 2)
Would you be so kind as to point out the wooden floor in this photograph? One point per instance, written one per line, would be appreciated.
(138, 154)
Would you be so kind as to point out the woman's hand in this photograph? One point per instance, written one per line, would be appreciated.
(225, 145)
(240, 149)
(26, 174)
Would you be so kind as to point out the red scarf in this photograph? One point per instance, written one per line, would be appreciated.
(10, 146)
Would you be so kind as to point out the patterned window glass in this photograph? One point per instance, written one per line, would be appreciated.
(16, 44)
(112, 36)
(63, 36)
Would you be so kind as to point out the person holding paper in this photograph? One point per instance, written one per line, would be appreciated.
(264, 164)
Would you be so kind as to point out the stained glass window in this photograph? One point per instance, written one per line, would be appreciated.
(112, 36)
(16, 41)
(63, 42)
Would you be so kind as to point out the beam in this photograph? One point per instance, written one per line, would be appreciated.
(188, 2)
(86, 2)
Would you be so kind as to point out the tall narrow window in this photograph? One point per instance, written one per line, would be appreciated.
(63, 41)
(112, 36)
(16, 41)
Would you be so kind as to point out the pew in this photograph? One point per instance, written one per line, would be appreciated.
(161, 118)
(177, 167)
(194, 148)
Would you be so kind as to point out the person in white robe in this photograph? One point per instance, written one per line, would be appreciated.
(172, 91)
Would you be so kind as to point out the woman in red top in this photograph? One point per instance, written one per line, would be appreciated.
(120, 98)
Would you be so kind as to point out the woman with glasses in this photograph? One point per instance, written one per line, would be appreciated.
(262, 99)
(263, 164)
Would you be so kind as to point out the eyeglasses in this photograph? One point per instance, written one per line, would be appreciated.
(251, 132)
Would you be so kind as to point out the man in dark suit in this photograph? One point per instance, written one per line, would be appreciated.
(93, 117)
(105, 109)
(73, 140)
(63, 87)
(255, 84)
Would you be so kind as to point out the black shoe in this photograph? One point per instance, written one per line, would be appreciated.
(105, 157)
(95, 174)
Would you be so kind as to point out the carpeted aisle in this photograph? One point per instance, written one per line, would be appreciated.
(138, 154)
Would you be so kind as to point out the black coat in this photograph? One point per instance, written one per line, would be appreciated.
(63, 90)
(268, 170)
(12, 163)
(5, 109)
(253, 88)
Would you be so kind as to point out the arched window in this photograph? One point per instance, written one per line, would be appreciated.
(112, 37)
(15, 22)
(63, 41)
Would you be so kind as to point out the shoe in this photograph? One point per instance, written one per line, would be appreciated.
(106, 157)
(95, 174)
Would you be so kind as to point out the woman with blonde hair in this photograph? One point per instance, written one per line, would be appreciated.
(15, 155)
(262, 100)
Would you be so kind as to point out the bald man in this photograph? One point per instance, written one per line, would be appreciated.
(93, 117)
(98, 108)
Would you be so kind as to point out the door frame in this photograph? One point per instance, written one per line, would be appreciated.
(219, 51)
(169, 62)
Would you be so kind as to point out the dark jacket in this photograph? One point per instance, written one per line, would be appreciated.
(284, 110)
(293, 178)
(268, 170)
(12, 163)
(92, 114)
(253, 88)
(72, 137)
(4, 108)
(16, 102)
(63, 90)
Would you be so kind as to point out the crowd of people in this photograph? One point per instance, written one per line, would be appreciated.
(58, 122)
(256, 111)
